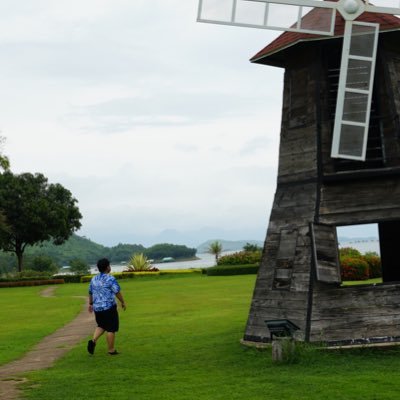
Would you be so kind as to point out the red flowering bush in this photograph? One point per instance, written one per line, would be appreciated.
(241, 258)
(354, 269)
(374, 264)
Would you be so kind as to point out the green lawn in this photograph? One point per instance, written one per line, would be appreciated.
(26, 318)
(179, 340)
(366, 282)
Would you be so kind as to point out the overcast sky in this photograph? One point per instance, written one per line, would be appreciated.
(158, 125)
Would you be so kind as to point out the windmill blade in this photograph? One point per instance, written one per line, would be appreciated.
(354, 96)
(384, 6)
(284, 15)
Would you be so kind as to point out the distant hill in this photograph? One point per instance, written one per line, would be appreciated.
(84, 249)
(228, 245)
(89, 251)
(78, 247)
(345, 239)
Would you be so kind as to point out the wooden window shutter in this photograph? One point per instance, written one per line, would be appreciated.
(325, 249)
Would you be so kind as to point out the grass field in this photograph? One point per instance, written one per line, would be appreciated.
(26, 317)
(179, 339)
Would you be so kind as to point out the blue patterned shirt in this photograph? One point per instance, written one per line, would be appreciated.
(103, 288)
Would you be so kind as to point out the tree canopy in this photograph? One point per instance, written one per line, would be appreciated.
(35, 211)
(4, 165)
(161, 250)
(251, 247)
(78, 266)
(4, 161)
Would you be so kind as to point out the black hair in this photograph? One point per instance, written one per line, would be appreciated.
(103, 264)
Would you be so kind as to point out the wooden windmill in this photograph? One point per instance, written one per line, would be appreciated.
(339, 164)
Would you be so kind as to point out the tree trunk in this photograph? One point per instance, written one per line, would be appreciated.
(19, 258)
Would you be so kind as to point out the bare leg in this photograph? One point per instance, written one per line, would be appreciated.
(92, 343)
(97, 333)
(111, 341)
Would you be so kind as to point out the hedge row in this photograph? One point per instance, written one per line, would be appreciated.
(244, 269)
(69, 278)
(130, 275)
(32, 282)
(21, 277)
(240, 258)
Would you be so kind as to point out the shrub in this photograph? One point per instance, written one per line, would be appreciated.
(138, 274)
(135, 274)
(32, 282)
(79, 267)
(27, 275)
(86, 278)
(123, 275)
(349, 252)
(139, 262)
(220, 270)
(69, 278)
(180, 271)
(354, 269)
(241, 258)
(43, 263)
(374, 264)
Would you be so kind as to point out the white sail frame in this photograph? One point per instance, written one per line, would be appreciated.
(350, 10)
(340, 120)
(329, 5)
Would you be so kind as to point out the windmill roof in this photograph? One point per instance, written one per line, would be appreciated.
(317, 17)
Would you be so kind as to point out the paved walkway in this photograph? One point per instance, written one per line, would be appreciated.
(45, 353)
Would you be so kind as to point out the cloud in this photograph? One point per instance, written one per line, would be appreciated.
(152, 120)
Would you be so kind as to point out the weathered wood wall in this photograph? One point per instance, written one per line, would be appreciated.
(367, 312)
(311, 190)
(282, 288)
(358, 313)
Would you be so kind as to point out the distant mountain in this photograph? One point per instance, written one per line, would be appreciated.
(192, 238)
(228, 245)
(84, 249)
(344, 239)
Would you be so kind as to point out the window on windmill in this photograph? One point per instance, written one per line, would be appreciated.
(359, 249)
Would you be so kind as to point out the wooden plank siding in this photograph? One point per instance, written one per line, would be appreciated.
(311, 189)
(282, 287)
(354, 313)
(363, 201)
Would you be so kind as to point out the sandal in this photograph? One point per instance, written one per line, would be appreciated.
(113, 353)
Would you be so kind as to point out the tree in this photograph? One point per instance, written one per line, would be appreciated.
(35, 211)
(4, 165)
(43, 263)
(215, 248)
(161, 250)
(251, 247)
(4, 161)
(79, 267)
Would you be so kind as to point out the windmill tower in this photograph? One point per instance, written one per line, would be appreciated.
(339, 164)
